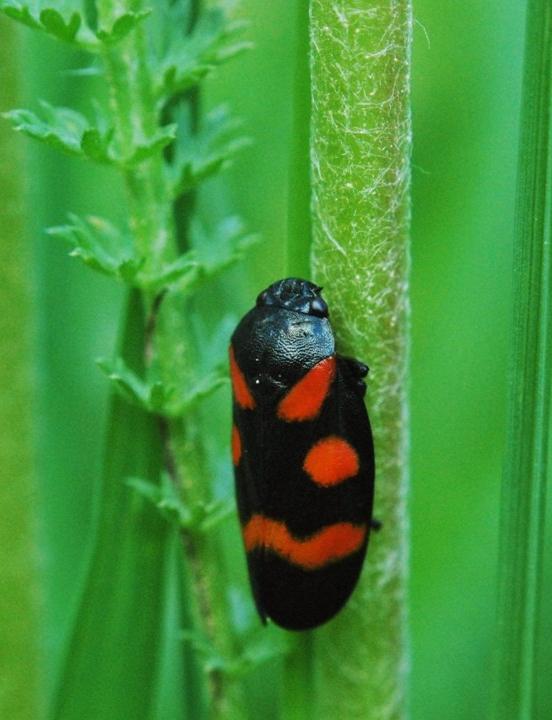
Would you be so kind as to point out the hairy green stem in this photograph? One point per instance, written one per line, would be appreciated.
(360, 150)
(526, 461)
(19, 655)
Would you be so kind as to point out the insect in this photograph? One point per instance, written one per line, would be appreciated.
(303, 457)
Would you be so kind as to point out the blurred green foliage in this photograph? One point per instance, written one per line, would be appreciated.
(18, 557)
(466, 82)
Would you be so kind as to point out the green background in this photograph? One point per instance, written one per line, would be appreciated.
(466, 83)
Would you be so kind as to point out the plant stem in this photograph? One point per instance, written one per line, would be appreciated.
(19, 656)
(526, 467)
(204, 557)
(151, 217)
(360, 151)
(133, 106)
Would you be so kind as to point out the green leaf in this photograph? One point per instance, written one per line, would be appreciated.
(201, 155)
(60, 127)
(181, 273)
(191, 58)
(101, 246)
(72, 29)
(144, 148)
(204, 387)
(526, 473)
(213, 661)
(154, 396)
(122, 26)
(261, 647)
(105, 248)
(165, 497)
(51, 21)
(199, 519)
(118, 631)
(65, 129)
(213, 253)
(55, 24)
(95, 144)
(70, 131)
(215, 513)
(226, 245)
(21, 13)
(157, 397)
(23, 589)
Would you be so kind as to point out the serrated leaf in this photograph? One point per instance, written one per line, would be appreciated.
(181, 272)
(70, 131)
(95, 145)
(165, 498)
(122, 26)
(201, 518)
(212, 659)
(61, 129)
(260, 648)
(204, 387)
(100, 245)
(65, 129)
(52, 22)
(21, 13)
(146, 147)
(215, 513)
(125, 381)
(226, 245)
(155, 396)
(213, 253)
(191, 58)
(199, 156)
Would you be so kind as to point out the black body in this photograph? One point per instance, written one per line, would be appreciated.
(275, 345)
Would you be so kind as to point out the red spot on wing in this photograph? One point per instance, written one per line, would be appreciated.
(236, 445)
(331, 461)
(242, 393)
(331, 543)
(306, 397)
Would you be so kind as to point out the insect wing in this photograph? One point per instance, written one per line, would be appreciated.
(304, 468)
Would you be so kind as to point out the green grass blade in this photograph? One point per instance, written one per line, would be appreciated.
(360, 154)
(525, 469)
(299, 187)
(298, 675)
(19, 655)
(114, 652)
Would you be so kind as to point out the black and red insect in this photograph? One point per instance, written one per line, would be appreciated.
(303, 457)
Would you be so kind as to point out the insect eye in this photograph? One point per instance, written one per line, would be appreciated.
(318, 307)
